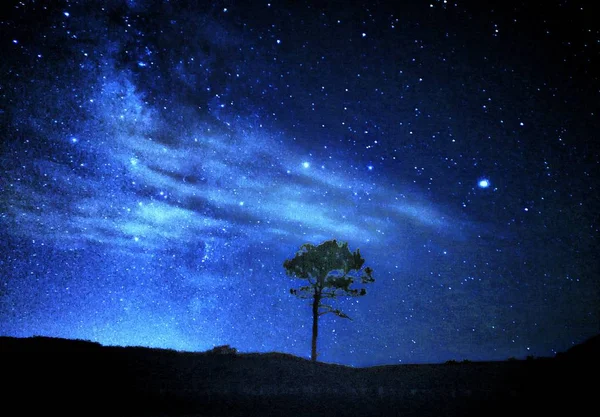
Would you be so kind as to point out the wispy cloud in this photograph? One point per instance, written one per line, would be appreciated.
(199, 182)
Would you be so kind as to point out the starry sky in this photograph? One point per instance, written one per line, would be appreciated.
(160, 160)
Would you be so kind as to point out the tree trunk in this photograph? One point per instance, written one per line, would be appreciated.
(315, 327)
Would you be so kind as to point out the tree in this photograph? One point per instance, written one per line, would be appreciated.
(330, 269)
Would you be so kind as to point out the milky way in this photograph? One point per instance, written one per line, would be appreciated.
(159, 162)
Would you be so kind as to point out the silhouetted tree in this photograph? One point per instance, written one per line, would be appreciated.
(330, 270)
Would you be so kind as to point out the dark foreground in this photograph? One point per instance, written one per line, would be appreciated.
(46, 376)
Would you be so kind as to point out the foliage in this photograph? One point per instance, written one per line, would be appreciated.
(330, 270)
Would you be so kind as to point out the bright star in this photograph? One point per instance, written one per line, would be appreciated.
(483, 183)
(305, 165)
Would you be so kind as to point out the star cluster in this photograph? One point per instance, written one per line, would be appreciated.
(159, 162)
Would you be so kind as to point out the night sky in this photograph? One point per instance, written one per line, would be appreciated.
(159, 162)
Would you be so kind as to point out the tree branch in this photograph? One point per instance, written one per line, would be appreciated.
(330, 309)
(328, 295)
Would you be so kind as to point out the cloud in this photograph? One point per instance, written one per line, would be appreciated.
(144, 180)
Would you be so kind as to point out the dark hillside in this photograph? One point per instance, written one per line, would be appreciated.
(47, 375)
(586, 352)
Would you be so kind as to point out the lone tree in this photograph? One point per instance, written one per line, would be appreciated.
(330, 269)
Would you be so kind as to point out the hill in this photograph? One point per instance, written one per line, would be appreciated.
(49, 375)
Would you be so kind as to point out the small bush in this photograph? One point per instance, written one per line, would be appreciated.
(223, 350)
